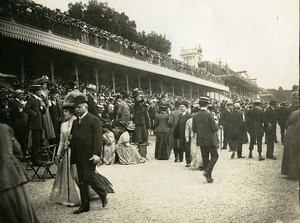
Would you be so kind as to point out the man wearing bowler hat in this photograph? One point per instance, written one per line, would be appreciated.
(282, 115)
(206, 128)
(255, 126)
(270, 129)
(86, 145)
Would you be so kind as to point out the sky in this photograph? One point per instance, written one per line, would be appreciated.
(257, 36)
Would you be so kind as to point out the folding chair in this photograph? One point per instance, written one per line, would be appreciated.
(48, 158)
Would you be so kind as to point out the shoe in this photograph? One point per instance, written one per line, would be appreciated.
(104, 201)
(201, 168)
(187, 165)
(232, 155)
(208, 177)
(223, 148)
(230, 150)
(272, 158)
(241, 157)
(260, 158)
(176, 160)
(250, 156)
(180, 160)
(80, 210)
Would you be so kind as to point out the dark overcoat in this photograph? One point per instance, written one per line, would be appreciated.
(35, 113)
(86, 139)
(255, 122)
(206, 128)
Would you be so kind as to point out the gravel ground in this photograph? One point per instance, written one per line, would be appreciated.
(244, 190)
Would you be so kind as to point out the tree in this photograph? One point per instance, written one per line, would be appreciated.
(99, 14)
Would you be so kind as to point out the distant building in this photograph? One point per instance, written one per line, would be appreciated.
(191, 56)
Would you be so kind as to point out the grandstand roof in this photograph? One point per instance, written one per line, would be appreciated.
(238, 80)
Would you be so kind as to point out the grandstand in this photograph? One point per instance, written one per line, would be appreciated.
(37, 40)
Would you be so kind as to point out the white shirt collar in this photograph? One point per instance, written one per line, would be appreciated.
(203, 108)
(183, 114)
(83, 115)
(37, 97)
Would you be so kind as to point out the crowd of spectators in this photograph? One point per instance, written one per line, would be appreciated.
(36, 15)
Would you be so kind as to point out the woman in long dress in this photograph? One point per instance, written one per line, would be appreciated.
(128, 153)
(15, 206)
(65, 189)
(163, 122)
(48, 125)
(291, 153)
(109, 145)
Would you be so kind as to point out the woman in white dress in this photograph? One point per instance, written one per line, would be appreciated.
(65, 189)
(128, 153)
(109, 145)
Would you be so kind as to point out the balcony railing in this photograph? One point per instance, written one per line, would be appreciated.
(42, 18)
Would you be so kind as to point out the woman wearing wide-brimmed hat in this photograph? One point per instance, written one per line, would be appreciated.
(65, 189)
(163, 122)
(128, 153)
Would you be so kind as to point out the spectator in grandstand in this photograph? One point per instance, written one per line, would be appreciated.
(174, 142)
(163, 122)
(206, 128)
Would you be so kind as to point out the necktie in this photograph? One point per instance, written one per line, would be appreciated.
(80, 120)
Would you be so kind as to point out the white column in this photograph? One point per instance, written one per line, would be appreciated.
(96, 76)
(76, 73)
(139, 82)
(127, 83)
(52, 69)
(150, 87)
(113, 81)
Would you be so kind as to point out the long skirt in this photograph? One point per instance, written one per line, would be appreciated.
(129, 154)
(109, 154)
(15, 206)
(162, 151)
(291, 153)
(195, 154)
(65, 189)
(48, 125)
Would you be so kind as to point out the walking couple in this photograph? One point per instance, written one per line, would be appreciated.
(79, 148)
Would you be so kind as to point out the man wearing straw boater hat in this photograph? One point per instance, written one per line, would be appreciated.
(206, 128)
(86, 144)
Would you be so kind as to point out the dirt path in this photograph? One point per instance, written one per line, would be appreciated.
(244, 190)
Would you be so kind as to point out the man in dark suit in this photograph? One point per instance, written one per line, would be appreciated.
(35, 109)
(18, 118)
(224, 123)
(255, 126)
(92, 103)
(270, 129)
(282, 115)
(236, 129)
(185, 147)
(86, 144)
(206, 128)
